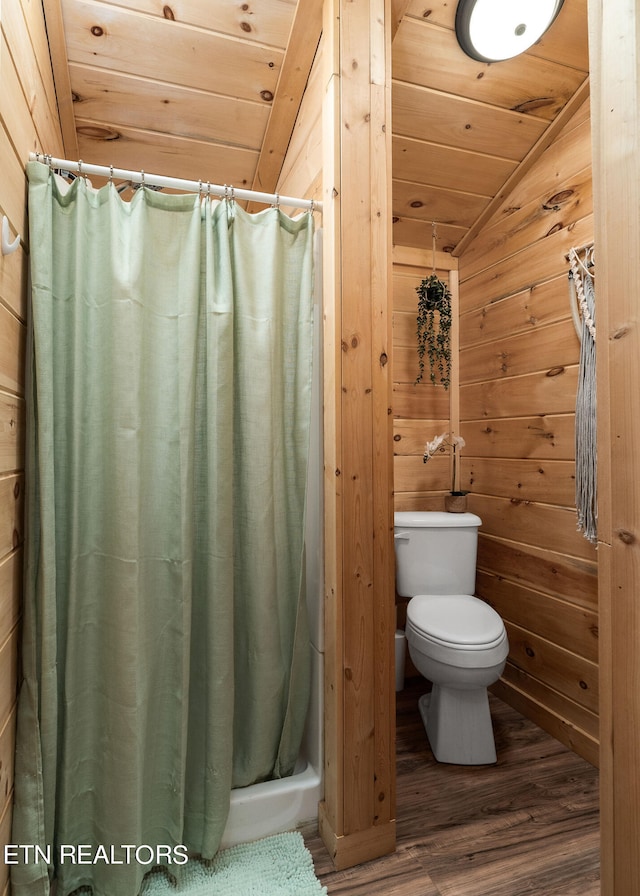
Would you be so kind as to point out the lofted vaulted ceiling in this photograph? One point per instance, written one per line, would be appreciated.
(210, 89)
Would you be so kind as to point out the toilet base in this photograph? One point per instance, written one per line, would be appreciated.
(458, 725)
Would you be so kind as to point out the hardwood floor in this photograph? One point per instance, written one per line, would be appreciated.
(528, 825)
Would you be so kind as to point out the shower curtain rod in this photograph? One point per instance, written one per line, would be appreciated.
(189, 186)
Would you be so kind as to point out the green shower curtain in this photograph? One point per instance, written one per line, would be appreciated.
(165, 655)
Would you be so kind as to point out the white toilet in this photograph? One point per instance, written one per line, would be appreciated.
(457, 641)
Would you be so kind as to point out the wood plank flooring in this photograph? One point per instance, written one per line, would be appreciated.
(528, 825)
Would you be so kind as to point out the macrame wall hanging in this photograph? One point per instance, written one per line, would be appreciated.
(582, 295)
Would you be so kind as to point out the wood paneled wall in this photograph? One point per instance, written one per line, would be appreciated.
(28, 121)
(519, 357)
(424, 410)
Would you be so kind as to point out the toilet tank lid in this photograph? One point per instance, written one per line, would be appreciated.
(438, 519)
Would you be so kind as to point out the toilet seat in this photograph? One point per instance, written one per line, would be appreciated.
(457, 629)
(456, 620)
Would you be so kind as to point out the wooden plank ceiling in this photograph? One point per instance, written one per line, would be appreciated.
(209, 89)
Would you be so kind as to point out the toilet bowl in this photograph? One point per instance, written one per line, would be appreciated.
(458, 643)
(455, 640)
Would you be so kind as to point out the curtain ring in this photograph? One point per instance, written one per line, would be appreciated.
(142, 177)
(110, 174)
(276, 204)
(312, 207)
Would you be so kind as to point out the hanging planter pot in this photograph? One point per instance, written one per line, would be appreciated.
(434, 330)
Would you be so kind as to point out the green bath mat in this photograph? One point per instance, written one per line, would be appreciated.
(276, 866)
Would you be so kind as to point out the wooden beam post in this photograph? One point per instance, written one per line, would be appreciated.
(357, 817)
(614, 49)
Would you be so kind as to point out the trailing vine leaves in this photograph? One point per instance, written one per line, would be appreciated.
(434, 329)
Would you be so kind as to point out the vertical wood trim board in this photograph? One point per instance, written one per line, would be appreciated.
(294, 74)
(357, 818)
(614, 31)
(454, 387)
(384, 797)
(331, 810)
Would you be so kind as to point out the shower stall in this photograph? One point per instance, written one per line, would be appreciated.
(173, 634)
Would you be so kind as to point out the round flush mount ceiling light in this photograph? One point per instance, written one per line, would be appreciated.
(493, 30)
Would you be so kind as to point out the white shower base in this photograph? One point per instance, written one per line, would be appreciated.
(287, 803)
(273, 806)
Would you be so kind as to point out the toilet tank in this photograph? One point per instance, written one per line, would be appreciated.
(435, 552)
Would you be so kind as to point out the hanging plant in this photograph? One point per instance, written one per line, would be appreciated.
(434, 329)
